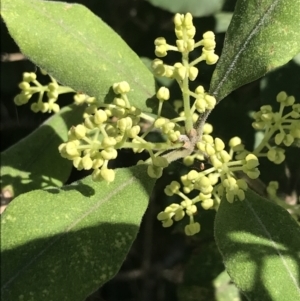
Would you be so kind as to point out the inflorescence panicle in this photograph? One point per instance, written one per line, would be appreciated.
(108, 127)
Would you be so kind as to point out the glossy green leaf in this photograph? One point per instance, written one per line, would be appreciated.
(62, 244)
(34, 162)
(77, 48)
(195, 7)
(260, 244)
(262, 36)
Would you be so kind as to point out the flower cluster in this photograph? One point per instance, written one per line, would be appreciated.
(211, 184)
(284, 128)
(52, 90)
(185, 71)
(220, 181)
(109, 127)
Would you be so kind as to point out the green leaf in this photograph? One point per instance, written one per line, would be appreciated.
(34, 162)
(262, 36)
(62, 244)
(195, 7)
(77, 48)
(260, 244)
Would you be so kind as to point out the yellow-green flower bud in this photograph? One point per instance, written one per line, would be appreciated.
(241, 194)
(288, 140)
(163, 216)
(230, 196)
(167, 223)
(87, 162)
(235, 141)
(80, 131)
(159, 122)
(134, 131)
(180, 71)
(193, 73)
(108, 174)
(191, 210)
(77, 163)
(109, 153)
(253, 174)
(71, 149)
(213, 178)
(219, 144)
(29, 77)
(251, 161)
(79, 98)
(190, 44)
(211, 58)
(178, 19)
(173, 136)
(161, 50)
(207, 204)
(119, 102)
(208, 139)
(179, 214)
(215, 162)
(52, 94)
(24, 86)
(242, 184)
(192, 229)
(281, 97)
(108, 141)
(172, 188)
(229, 183)
(163, 93)
(224, 156)
(160, 162)
(204, 181)
(210, 101)
(276, 155)
(209, 149)
(97, 162)
(207, 128)
(88, 122)
(160, 41)
(209, 35)
(154, 171)
(121, 87)
(186, 203)
(200, 105)
(53, 87)
(188, 160)
(192, 175)
(100, 117)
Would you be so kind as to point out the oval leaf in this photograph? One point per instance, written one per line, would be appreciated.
(34, 162)
(260, 245)
(262, 36)
(62, 244)
(76, 48)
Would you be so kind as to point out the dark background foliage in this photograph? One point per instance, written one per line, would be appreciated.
(163, 264)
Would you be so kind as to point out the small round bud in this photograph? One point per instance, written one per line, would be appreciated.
(108, 175)
(207, 204)
(193, 73)
(24, 86)
(235, 141)
(160, 162)
(281, 97)
(80, 131)
(121, 88)
(192, 229)
(100, 117)
(87, 162)
(163, 93)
